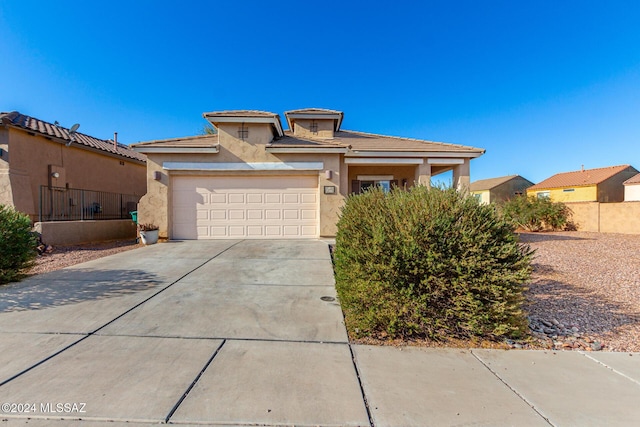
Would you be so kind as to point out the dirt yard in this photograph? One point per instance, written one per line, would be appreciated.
(585, 292)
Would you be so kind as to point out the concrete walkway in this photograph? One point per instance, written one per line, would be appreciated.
(249, 333)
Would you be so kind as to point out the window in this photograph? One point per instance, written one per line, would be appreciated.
(543, 194)
(568, 190)
(313, 127)
(478, 197)
(243, 132)
(359, 186)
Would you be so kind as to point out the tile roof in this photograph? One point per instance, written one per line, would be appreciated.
(199, 141)
(314, 111)
(488, 184)
(579, 178)
(359, 141)
(32, 124)
(633, 180)
(240, 113)
(337, 116)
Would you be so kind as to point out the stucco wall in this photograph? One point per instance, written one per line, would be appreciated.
(31, 158)
(612, 190)
(621, 217)
(485, 196)
(632, 192)
(579, 194)
(76, 232)
(302, 128)
(509, 189)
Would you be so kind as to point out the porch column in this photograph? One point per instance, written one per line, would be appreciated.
(461, 179)
(423, 174)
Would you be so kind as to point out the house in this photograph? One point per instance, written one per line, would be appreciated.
(499, 189)
(36, 155)
(602, 185)
(632, 189)
(253, 179)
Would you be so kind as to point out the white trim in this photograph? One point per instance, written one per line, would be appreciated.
(412, 154)
(374, 177)
(445, 161)
(331, 150)
(179, 150)
(390, 161)
(237, 166)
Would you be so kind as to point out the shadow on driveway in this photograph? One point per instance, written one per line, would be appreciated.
(73, 286)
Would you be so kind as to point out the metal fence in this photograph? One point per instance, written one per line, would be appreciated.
(72, 204)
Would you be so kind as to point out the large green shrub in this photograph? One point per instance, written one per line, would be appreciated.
(17, 244)
(536, 214)
(428, 263)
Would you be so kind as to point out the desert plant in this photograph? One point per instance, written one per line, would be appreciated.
(535, 214)
(428, 263)
(147, 227)
(17, 244)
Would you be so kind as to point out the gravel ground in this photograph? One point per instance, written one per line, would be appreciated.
(65, 256)
(585, 290)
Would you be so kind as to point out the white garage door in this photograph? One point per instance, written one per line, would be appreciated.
(265, 207)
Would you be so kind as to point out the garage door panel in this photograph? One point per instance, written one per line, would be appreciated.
(272, 198)
(245, 207)
(254, 214)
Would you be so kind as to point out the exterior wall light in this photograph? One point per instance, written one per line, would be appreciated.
(55, 175)
(327, 174)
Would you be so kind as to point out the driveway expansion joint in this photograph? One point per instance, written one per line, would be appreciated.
(610, 368)
(364, 395)
(524, 399)
(193, 383)
(163, 289)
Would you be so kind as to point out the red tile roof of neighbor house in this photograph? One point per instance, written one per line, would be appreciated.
(633, 180)
(579, 178)
(46, 129)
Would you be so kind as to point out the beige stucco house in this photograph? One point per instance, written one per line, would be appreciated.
(35, 153)
(632, 189)
(604, 185)
(253, 179)
(499, 189)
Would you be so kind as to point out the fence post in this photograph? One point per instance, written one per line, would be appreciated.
(40, 205)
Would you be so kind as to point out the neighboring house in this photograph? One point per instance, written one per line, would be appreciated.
(255, 180)
(499, 189)
(587, 185)
(34, 153)
(632, 189)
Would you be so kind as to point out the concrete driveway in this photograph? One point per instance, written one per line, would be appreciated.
(249, 333)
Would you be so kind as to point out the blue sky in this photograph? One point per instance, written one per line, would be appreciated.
(544, 86)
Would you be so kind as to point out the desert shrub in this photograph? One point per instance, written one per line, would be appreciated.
(428, 264)
(17, 244)
(536, 214)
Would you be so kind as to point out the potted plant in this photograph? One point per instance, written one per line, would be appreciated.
(148, 233)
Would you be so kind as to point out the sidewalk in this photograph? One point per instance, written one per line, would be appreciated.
(247, 333)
